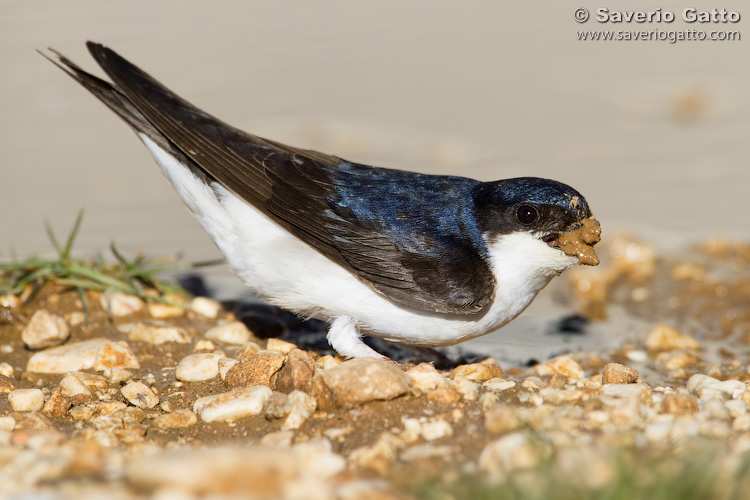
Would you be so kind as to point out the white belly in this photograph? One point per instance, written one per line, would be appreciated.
(291, 274)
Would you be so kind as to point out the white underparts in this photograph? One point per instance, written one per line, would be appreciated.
(291, 274)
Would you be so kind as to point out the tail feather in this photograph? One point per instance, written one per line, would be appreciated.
(121, 105)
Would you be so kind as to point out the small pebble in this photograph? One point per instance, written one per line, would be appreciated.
(425, 377)
(67, 358)
(679, 404)
(26, 399)
(564, 365)
(206, 307)
(237, 403)
(698, 381)
(156, 334)
(197, 367)
(75, 318)
(297, 372)
(235, 333)
(300, 405)
(666, 338)
(6, 369)
(120, 304)
(257, 369)
(478, 372)
(615, 373)
(498, 385)
(637, 356)
(72, 386)
(361, 380)
(86, 412)
(278, 439)
(140, 395)
(204, 345)
(6, 384)
(57, 405)
(509, 454)
(501, 419)
(159, 310)
(176, 420)
(436, 429)
(9, 301)
(45, 330)
(469, 389)
(216, 472)
(279, 345)
(7, 423)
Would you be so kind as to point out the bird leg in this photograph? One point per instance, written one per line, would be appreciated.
(345, 338)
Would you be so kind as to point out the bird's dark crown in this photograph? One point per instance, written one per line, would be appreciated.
(529, 204)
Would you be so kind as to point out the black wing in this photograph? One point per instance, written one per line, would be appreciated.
(413, 264)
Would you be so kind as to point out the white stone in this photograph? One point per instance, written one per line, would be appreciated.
(469, 389)
(714, 409)
(659, 431)
(75, 318)
(120, 304)
(436, 429)
(204, 345)
(26, 399)
(426, 451)
(424, 377)
(317, 459)
(157, 334)
(498, 385)
(511, 453)
(159, 310)
(217, 472)
(697, 381)
(68, 358)
(238, 403)
(197, 367)
(412, 429)
(732, 388)
(301, 405)
(72, 386)
(736, 407)
(206, 307)
(140, 395)
(6, 369)
(741, 423)
(45, 330)
(235, 333)
(7, 423)
(278, 439)
(637, 356)
(625, 390)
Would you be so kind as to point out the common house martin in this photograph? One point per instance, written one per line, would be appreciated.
(425, 260)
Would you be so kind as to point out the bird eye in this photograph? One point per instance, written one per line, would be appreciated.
(527, 215)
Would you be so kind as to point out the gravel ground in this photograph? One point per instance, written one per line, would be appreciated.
(155, 401)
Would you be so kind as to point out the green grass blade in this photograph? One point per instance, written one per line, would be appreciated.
(117, 254)
(72, 236)
(53, 238)
(92, 274)
(82, 284)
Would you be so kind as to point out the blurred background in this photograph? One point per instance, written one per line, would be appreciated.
(654, 134)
